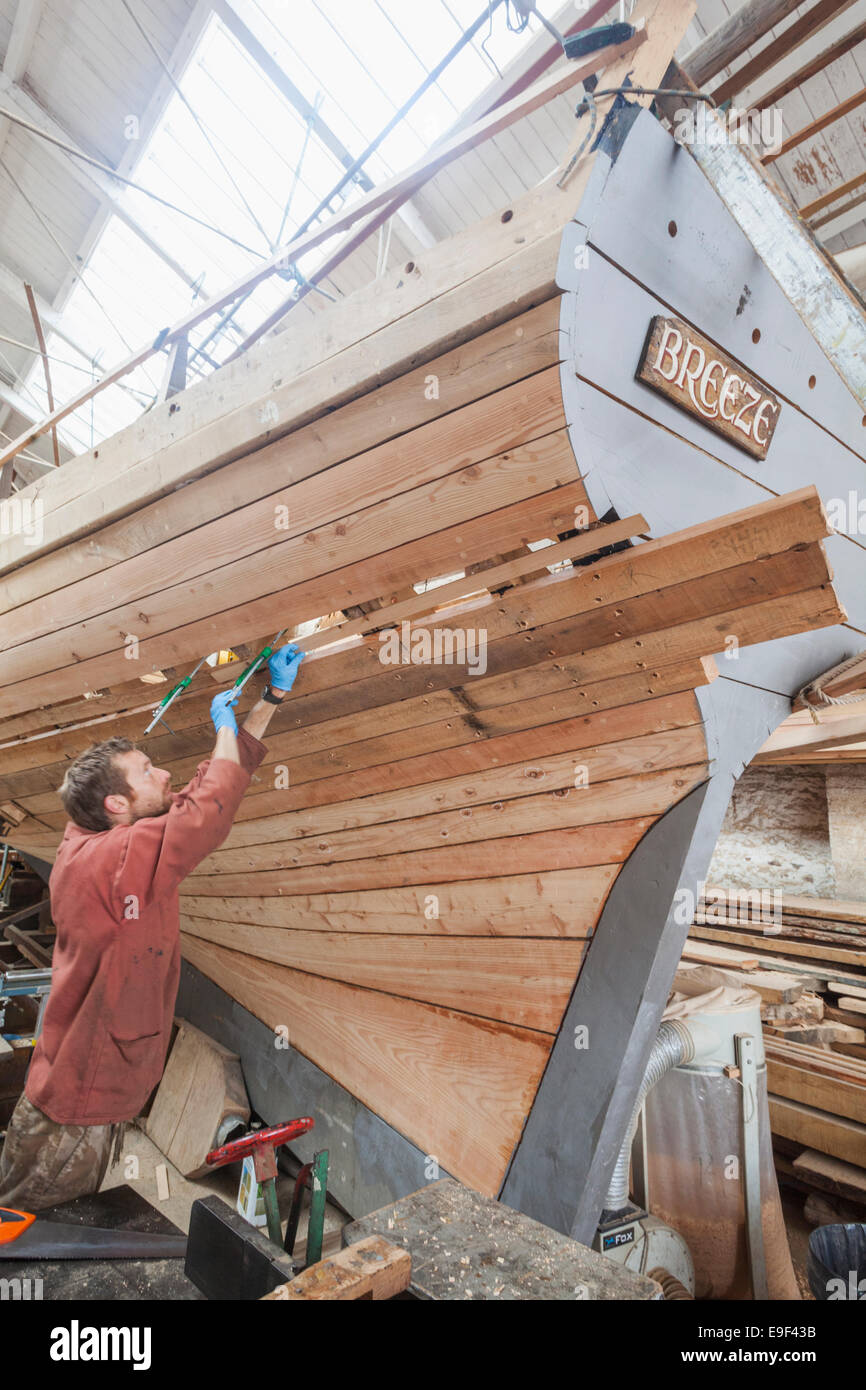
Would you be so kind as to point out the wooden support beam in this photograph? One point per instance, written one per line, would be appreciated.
(725, 44)
(843, 109)
(809, 23)
(812, 737)
(499, 119)
(43, 352)
(832, 314)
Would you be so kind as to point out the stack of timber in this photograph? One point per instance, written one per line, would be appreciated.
(813, 1009)
(820, 935)
(426, 864)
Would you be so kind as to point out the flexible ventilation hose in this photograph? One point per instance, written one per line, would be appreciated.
(673, 1290)
(673, 1046)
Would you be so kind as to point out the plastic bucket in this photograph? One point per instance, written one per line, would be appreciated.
(837, 1262)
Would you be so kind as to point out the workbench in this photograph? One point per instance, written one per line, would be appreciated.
(465, 1246)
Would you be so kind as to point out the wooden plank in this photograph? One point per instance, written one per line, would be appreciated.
(840, 219)
(844, 108)
(372, 1268)
(397, 1057)
(505, 781)
(38, 955)
(524, 982)
(849, 1019)
(826, 955)
(202, 1086)
(816, 1059)
(297, 576)
(833, 1175)
(507, 420)
(40, 910)
(532, 853)
(835, 909)
(523, 700)
(300, 380)
(840, 191)
(564, 903)
(810, 23)
(781, 931)
(513, 351)
(815, 1129)
(616, 800)
(479, 431)
(208, 633)
(499, 119)
(534, 697)
(549, 512)
(798, 1083)
(718, 955)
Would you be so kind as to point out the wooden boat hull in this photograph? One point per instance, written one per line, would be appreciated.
(447, 918)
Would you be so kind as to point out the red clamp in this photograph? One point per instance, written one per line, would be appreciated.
(262, 1144)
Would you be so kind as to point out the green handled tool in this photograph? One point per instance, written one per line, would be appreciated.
(254, 665)
(160, 709)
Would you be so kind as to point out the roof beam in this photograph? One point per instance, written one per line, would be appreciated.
(843, 109)
(803, 28)
(810, 68)
(731, 39)
(840, 191)
(841, 219)
(381, 195)
(98, 185)
(266, 62)
(24, 27)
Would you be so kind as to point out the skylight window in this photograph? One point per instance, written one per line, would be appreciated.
(238, 154)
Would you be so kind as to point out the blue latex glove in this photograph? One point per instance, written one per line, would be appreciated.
(283, 666)
(221, 711)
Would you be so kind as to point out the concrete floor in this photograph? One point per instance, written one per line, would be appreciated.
(137, 1168)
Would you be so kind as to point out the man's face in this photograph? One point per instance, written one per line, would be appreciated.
(150, 789)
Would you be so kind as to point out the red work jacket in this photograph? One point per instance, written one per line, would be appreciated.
(114, 902)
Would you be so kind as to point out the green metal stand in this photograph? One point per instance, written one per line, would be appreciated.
(316, 1174)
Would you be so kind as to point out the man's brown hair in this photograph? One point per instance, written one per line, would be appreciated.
(90, 779)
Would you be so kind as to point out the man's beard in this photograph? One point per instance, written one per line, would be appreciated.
(138, 814)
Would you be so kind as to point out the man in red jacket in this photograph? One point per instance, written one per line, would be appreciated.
(114, 901)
